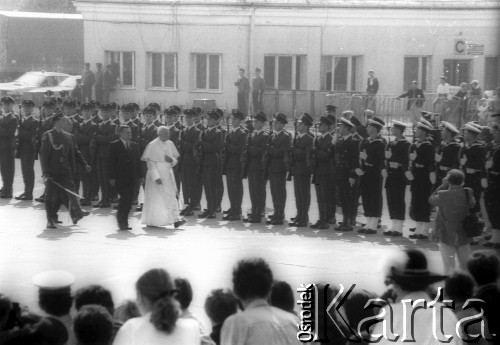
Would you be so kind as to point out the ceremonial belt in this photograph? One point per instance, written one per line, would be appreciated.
(443, 168)
(471, 171)
(419, 165)
(394, 165)
(369, 165)
(495, 173)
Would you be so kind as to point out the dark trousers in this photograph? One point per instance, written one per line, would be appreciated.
(189, 178)
(323, 184)
(492, 201)
(28, 171)
(257, 189)
(98, 93)
(209, 177)
(242, 103)
(105, 95)
(198, 188)
(420, 209)
(219, 189)
(86, 180)
(55, 196)
(257, 102)
(371, 192)
(126, 192)
(302, 188)
(235, 190)
(331, 197)
(177, 176)
(473, 181)
(277, 183)
(103, 178)
(348, 197)
(7, 168)
(86, 93)
(395, 188)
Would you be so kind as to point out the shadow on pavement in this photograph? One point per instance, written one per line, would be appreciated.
(62, 232)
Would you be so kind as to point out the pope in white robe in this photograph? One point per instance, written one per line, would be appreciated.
(161, 203)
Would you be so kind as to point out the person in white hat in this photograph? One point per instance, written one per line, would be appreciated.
(422, 177)
(446, 156)
(396, 155)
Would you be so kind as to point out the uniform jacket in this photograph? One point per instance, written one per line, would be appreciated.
(134, 129)
(85, 137)
(424, 161)
(375, 151)
(8, 126)
(235, 144)
(106, 133)
(190, 137)
(27, 132)
(174, 135)
(475, 155)
(302, 149)
(399, 155)
(257, 144)
(148, 134)
(347, 156)
(59, 154)
(211, 146)
(124, 165)
(243, 85)
(450, 155)
(280, 146)
(324, 154)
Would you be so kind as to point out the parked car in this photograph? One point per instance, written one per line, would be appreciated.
(29, 81)
(37, 95)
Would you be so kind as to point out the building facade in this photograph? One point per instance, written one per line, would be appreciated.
(180, 51)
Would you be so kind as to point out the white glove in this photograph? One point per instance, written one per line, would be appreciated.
(463, 161)
(334, 139)
(363, 155)
(409, 175)
(384, 173)
(484, 183)
(438, 157)
(351, 181)
(432, 177)
(359, 172)
(388, 154)
(413, 156)
(489, 163)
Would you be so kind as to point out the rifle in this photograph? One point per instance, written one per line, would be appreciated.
(266, 157)
(224, 150)
(199, 151)
(313, 155)
(290, 161)
(17, 149)
(245, 159)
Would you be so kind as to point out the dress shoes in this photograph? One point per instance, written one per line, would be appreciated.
(197, 208)
(24, 197)
(323, 226)
(315, 225)
(18, 197)
(418, 237)
(126, 227)
(277, 222)
(76, 219)
(234, 217)
(370, 231)
(51, 225)
(207, 215)
(388, 233)
(226, 217)
(6, 196)
(361, 231)
(332, 221)
(255, 220)
(299, 224)
(344, 228)
(179, 223)
(227, 211)
(40, 199)
(188, 213)
(396, 234)
(413, 229)
(218, 210)
(85, 203)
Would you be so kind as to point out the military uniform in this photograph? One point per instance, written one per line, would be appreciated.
(106, 133)
(174, 138)
(8, 126)
(220, 181)
(473, 159)
(235, 144)
(492, 192)
(199, 183)
(85, 138)
(27, 133)
(189, 166)
(280, 145)
(447, 158)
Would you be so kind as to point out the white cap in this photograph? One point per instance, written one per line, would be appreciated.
(53, 281)
(450, 127)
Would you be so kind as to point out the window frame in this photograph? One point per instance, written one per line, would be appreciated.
(428, 72)
(207, 81)
(150, 71)
(295, 68)
(120, 85)
(351, 85)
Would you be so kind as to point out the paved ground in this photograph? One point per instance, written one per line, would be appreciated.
(204, 251)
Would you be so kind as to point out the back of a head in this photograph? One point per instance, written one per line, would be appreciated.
(219, 305)
(252, 278)
(93, 325)
(156, 286)
(56, 304)
(484, 266)
(455, 177)
(355, 306)
(282, 296)
(184, 292)
(5, 309)
(459, 286)
(94, 294)
(48, 331)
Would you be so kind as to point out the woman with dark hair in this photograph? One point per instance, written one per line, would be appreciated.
(159, 323)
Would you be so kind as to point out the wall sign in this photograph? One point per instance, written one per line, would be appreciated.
(464, 47)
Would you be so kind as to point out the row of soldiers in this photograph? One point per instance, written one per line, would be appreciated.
(344, 161)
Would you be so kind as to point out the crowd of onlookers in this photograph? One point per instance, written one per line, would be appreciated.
(258, 309)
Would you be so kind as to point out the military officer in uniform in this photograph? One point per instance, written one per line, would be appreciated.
(170, 121)
(346, 162)
(8, 126)
(257, 142)
(59, 157)
(333, 193)
(278, 149)
(472, 162)
(189, 165)
(447, 155)
(234, 145)
(396, 155)
(301, 150)
(211, 143)
(69, 110)
(323, 159)
(220, 181)
(492, 192)
(372, 162)
(422, 177)
(85, 137)
(198, 122)
(106, 133)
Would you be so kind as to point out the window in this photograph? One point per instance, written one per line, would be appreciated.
(207, 71)
(416, 68)
(491, 72)
(123, 67)
(340, 73)
(457, 71)
(163, 70)
(285, 72)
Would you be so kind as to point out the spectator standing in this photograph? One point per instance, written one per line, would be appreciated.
(219, 305)
(258, 87)
(259, 323)
(88, 80)
(99, 82)
(475, 95)
(415, 101)
(243, 89)
(462, 97)
(454, 203)
(93, 326)
(77, 92)
(371, 89)
(108, 83)
(443, 89)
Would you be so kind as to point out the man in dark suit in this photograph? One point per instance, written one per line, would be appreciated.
(211, 143)
(8, 126)
(106, 133)
(371, 84)
(279, 146)
(59, 156)
(243, 89)
(171, 117)
(188, 144)
(198, 123)
(415, 100)
(27, 133)
(235, 144)
(124, 172)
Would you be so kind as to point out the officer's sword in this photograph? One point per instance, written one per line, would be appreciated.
(65, 189)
